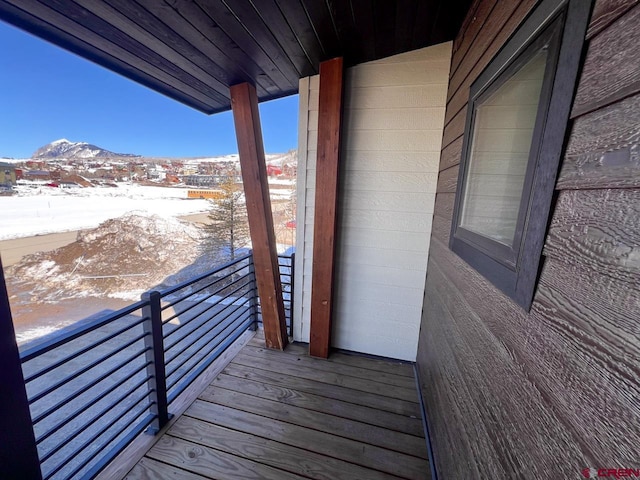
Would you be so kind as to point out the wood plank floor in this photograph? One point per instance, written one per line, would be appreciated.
(285, 415)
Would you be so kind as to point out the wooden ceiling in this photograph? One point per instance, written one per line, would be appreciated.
(193, 50)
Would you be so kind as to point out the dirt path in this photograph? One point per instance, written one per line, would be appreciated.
(13, 250)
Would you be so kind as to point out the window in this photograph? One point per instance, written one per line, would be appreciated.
(517, 118)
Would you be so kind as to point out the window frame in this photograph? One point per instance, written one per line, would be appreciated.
(562, 25)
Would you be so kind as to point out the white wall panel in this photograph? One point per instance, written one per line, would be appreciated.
(391, 201)
(393, 122)
(401, 119)
(365, 237)
(412, 96)
(424, 162)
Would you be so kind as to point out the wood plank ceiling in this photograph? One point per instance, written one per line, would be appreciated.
(193, 50)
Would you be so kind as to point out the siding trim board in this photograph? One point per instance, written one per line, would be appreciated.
(304, 112)
(425, 423)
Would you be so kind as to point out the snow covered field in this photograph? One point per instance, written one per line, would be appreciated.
(35, 211)
(52, 289)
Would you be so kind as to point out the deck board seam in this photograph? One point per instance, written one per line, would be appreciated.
(350, 377)
(179, 467)
(365, 375)
(315, 429)
(417, 419)
(290, 350)
(294, 416)
(340, 387)
(354, 462)
(285, 445)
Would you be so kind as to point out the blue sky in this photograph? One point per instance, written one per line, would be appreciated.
(47, 93)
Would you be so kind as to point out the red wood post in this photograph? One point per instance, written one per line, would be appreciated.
(18, 452)
(324, 227)
(244, 103)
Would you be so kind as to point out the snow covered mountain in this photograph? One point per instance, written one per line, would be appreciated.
(66, 149)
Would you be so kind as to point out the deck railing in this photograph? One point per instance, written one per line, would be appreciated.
(286, 264)
(202, 317)
(88, 392)
(93, 388)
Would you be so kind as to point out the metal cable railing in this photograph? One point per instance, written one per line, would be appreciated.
(94, 387)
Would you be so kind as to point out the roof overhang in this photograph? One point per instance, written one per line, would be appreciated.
(194, 50)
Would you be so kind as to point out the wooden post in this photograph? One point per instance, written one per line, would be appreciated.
(324, 227)
(246, 117)
(18, 452)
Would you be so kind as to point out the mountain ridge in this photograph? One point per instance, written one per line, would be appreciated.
(64, 148)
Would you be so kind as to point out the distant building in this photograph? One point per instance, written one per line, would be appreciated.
(212, 194)
(156, 172)
(7, 175)
(207, 180)
(37, 175)
(273, 171)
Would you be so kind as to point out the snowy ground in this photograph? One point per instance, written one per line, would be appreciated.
(40, 210)
(106, 267)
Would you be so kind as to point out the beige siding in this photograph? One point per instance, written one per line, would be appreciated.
(393, 121)
(307, 144)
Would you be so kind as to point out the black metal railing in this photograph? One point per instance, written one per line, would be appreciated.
(286, 264)
(202, 317)
(88, 391)
(96, 386)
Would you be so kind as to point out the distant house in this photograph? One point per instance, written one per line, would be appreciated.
(272, 170)
(37, 175)
(207, 180)
(35, 164)
(77, 180)
(7, 174)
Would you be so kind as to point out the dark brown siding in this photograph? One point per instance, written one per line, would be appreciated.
(548, 393)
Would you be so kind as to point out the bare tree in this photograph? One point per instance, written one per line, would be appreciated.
(228, 224)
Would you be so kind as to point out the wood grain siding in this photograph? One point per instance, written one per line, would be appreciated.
(611, 69)
(545, 394)
(603, 149)
(19, 453)
(394, 112)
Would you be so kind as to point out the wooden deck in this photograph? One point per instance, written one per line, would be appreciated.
(285, 415)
